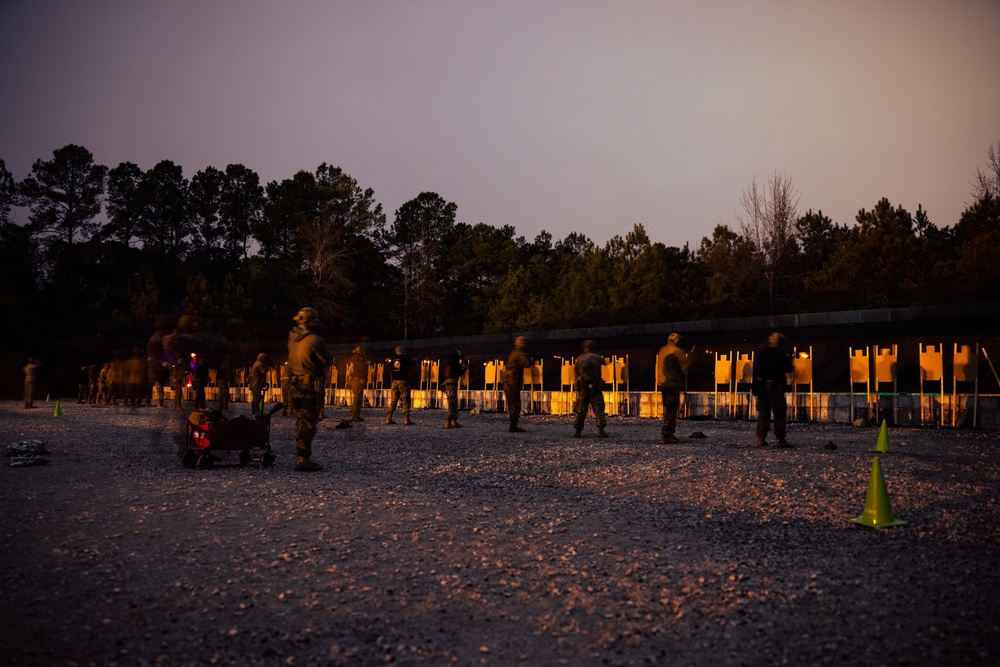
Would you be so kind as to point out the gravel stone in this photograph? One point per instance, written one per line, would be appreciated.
(428, 546)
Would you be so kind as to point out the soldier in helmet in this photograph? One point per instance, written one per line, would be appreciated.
(589, 388)
(513, 380)
(357, 379)
(671, 376)
(399, 367)
(308, 362)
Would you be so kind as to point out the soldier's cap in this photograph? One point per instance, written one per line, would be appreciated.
(306, 314)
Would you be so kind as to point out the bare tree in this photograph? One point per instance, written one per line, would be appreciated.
(767, 222)
(328, 264)
(988, 182)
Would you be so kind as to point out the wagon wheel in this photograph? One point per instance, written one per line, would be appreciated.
(205, 461)
(244, 457)
(190, 459)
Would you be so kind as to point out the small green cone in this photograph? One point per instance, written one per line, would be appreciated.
(882, 444)
(878, 513)
(58, 412)
(48, 397)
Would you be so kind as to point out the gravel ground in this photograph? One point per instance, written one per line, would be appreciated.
(474, 546)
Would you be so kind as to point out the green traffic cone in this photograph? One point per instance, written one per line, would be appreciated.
(882, 444)
(48, 397)
(58, 412)
(878, 513)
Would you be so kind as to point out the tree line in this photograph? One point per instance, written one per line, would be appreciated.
(109, 254)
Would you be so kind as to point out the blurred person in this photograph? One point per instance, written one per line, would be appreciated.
(224, 377)
(357, 380)
(160, 380)
(257, 382)
(82, 384)
(200, 383)
(770, 369)
(513, 380)
(32, 381)
(93, 375)
(589, 388)
(104, 385)
(308, 360)
(454, 369)
(284, 377)
(671, 376)
(178, 373)
(400, 365)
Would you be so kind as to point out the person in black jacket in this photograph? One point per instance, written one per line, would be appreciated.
(399, 368)
(770, 368)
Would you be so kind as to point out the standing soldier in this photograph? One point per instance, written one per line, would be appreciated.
(104, 385)
(590, 388)
(285, 377)
(308, 361)
(177, 375)
(770, 367)
(513, 380)
(258, 374)
(454, 369)
(160, 380)
(94, 373)
(82, 382)
(223, 380)
(671, 373)
(200, 382)
(399, 366)
(357, 380)
(32, 372)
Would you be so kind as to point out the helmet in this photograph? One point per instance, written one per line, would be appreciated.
(589, 345)
(520, 341)
(305, 315)
(262, 357)
(400, 349)
(359, 350)
(674, 338)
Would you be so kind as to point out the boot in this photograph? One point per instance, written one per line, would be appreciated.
(388, 419)
(601, 433)
(406, 420)
(455, 424)
(579, 433)
(305, 464)
(448, 424)
(514, 428)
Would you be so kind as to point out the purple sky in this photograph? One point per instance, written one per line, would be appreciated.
(556, 115)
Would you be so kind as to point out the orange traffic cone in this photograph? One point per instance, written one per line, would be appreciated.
(882, 444)
(878, 513)
(58, 412)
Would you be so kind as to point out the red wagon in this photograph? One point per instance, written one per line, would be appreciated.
(209, 431)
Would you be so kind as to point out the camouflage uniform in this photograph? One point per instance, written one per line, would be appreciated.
(513, 380)
(258, 373)
(670, 377)
(454, 369)
(177, 374)
(589, 388)
(308, 361)
(399, 365)
(357, 380)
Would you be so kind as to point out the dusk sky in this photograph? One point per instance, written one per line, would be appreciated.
(557, 115)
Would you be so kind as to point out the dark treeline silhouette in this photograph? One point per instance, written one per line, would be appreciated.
(98, 255)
